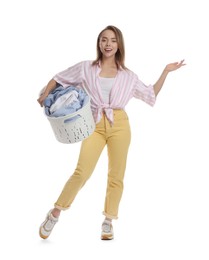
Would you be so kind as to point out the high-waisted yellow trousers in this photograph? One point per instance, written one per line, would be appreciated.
(117, 138)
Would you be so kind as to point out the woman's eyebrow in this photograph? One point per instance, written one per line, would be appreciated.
(104, 37)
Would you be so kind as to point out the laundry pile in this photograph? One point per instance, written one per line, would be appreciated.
(64, 101)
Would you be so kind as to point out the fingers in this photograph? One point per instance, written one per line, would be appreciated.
(182, 63)
(178, 62)
(40, 102)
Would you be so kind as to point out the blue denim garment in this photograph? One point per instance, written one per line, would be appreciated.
(73, 107)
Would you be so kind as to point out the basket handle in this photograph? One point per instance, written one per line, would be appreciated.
(69, 120)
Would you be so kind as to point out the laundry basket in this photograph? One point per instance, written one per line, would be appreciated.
(74, 127)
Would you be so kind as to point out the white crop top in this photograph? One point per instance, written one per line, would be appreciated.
(106, 86)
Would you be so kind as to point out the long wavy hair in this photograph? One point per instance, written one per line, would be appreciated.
(120, 54)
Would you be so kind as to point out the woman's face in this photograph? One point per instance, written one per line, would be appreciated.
(108, 43)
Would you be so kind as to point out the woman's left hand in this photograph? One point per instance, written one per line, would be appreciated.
(174, 66)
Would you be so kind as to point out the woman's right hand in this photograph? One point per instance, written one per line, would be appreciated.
(41, 99)
(45, 92)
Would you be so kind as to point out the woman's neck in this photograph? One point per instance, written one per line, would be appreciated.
(108, 71)
(108, 63)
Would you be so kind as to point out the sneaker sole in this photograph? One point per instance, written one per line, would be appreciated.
(107, 237)
(42, 236)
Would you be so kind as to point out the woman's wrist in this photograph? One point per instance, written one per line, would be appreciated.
(166, 71)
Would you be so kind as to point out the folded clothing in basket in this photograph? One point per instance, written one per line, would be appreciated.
(64, 101)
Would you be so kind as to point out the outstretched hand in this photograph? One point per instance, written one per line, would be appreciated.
(174, 66)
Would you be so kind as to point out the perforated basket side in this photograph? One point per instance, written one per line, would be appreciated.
(76, 130)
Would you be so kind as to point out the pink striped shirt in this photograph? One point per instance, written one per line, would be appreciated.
(126, 86)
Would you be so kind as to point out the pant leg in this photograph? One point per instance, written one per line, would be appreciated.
(90, 152)
(117, 145)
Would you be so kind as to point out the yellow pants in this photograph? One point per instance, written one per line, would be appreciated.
(117, 138)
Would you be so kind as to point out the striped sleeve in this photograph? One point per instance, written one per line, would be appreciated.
(144, 92)
(71, 76)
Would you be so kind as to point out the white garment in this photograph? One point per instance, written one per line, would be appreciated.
(64, 101)
(106, 86)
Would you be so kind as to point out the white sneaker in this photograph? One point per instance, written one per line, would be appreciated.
(107, 230)
(47, 226)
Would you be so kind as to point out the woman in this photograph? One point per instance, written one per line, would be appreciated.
(111, 85)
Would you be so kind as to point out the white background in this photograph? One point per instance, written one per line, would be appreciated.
(164, 212)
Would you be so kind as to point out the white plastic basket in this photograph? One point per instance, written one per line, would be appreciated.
(76, 130)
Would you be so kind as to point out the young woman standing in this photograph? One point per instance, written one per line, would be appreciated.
(111, 85)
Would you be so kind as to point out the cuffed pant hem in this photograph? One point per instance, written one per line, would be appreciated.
(109, 216)
(59, 207)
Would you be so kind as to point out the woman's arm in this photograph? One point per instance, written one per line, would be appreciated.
(50, 86)
(170, 67)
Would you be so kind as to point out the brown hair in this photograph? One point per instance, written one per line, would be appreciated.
(120, 54)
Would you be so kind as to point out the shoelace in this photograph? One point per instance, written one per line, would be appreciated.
(52, 218)
(50, 223)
